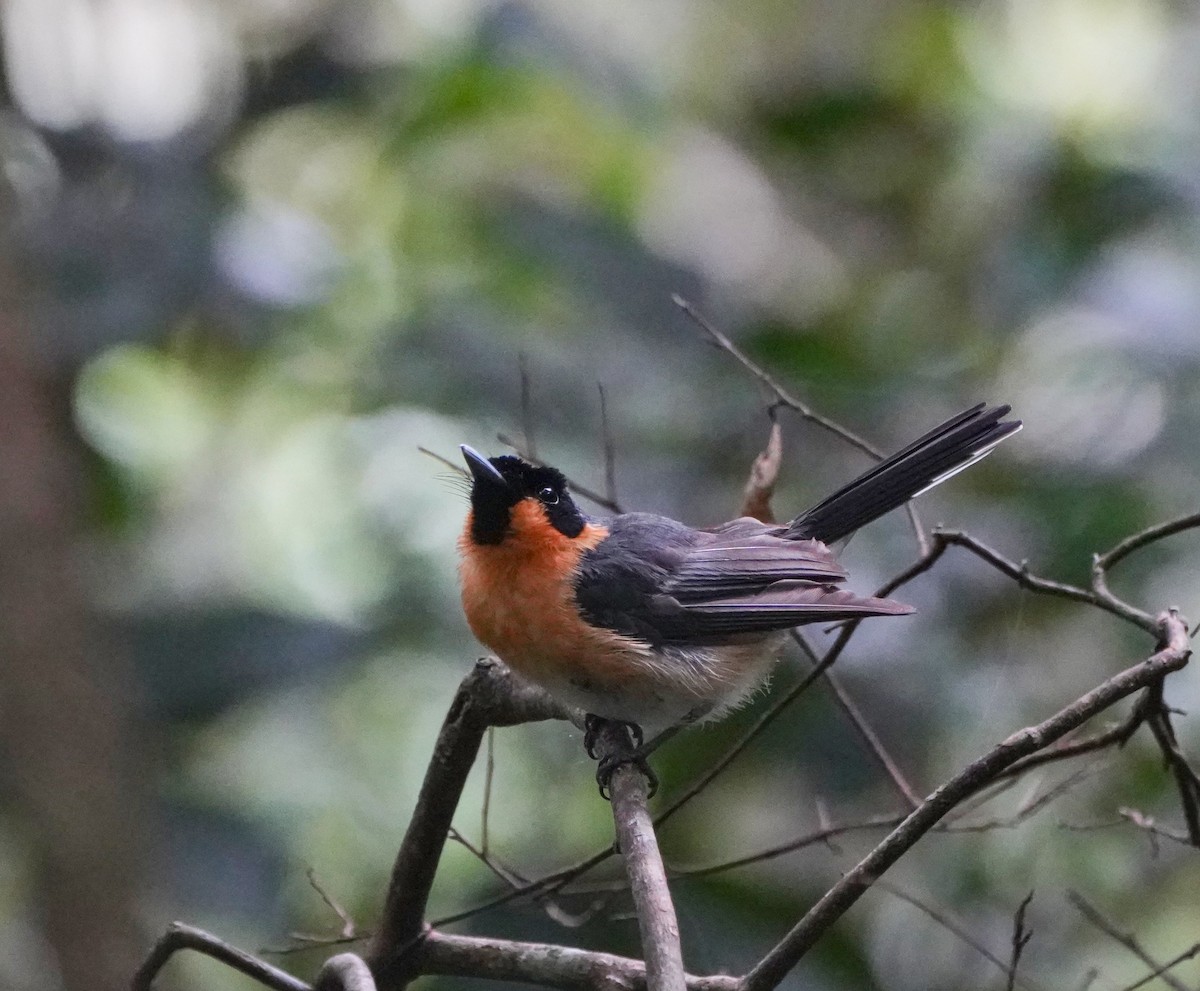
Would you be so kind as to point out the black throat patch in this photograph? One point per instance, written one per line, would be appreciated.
(492, 503)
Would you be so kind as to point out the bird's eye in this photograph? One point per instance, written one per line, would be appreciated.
(548, 495)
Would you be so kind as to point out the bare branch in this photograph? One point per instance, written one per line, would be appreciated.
(1020, 937)
(950, 926)
(1171, 656)
(526, 405)
(1097, 596)
(542, 964)
(1186, 780)
(489, 775)
(183, 937)
(1137, 541)
(590, 494)
(781, 396)
(1187, 954)
(864, 729)
(643, 863)
(488, 696)
(610, 449)
(1127, 940)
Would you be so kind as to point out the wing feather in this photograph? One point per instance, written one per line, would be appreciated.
(663, 582)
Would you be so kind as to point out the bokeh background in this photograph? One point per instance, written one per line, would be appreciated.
(255, 253)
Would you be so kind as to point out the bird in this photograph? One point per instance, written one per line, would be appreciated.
(643, 620)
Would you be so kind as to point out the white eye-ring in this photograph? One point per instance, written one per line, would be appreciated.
(548, 496)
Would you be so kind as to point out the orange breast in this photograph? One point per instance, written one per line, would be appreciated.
(519, 601)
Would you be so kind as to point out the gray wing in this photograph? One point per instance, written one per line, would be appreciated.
(665, 583)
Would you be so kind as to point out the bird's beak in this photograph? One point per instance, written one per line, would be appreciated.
(482, 470)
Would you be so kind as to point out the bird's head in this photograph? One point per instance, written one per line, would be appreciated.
(512, 499)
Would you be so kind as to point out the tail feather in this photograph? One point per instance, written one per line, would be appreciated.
(944, 451)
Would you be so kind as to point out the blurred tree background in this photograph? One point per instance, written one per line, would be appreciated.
(257, 252)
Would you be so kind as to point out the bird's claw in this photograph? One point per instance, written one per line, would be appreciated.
(609, 764)
(592, 725)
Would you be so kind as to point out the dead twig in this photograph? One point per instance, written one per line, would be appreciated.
(1020, 938)
(1127, 940)
(943, 920)
(764, 473)
(782, 398)
(590, 494)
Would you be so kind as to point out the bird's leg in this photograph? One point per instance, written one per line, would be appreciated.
(632, 751)
(641, 750)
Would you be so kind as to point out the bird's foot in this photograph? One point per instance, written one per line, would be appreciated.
(592, 725)
(636, 753)
(610, 762)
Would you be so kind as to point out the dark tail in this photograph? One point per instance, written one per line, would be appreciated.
(944, 451)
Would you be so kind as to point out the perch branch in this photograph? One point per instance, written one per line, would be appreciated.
(643, 863)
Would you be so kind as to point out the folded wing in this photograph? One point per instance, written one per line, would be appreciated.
(660, 581)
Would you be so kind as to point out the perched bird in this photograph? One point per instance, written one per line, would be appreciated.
(645, 620)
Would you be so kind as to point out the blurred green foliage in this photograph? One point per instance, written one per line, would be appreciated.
(897, 208)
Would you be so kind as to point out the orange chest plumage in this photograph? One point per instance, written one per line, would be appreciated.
(519, 599)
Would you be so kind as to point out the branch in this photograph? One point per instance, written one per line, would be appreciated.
(955, 929)
(1020, 937)
(605, 502)
(643, 863)
(1139, 540)
(1172, 655)
(783, 398)
(184, 937)
(543, 964)
(488, 696)
(1127, 940)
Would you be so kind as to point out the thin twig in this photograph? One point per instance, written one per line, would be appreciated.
(822, 835)
(526, 405)
(1127, 940)
(349, 929)
(775, 965)
(1186, 955)
(1137, 541)
(489, 774)
(590, 494)
(1186, 780)
(864, 729)
(950, 926)
(183, 937)
(764, 473)
(781, 397)
(1020, 937)
(610, 449)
